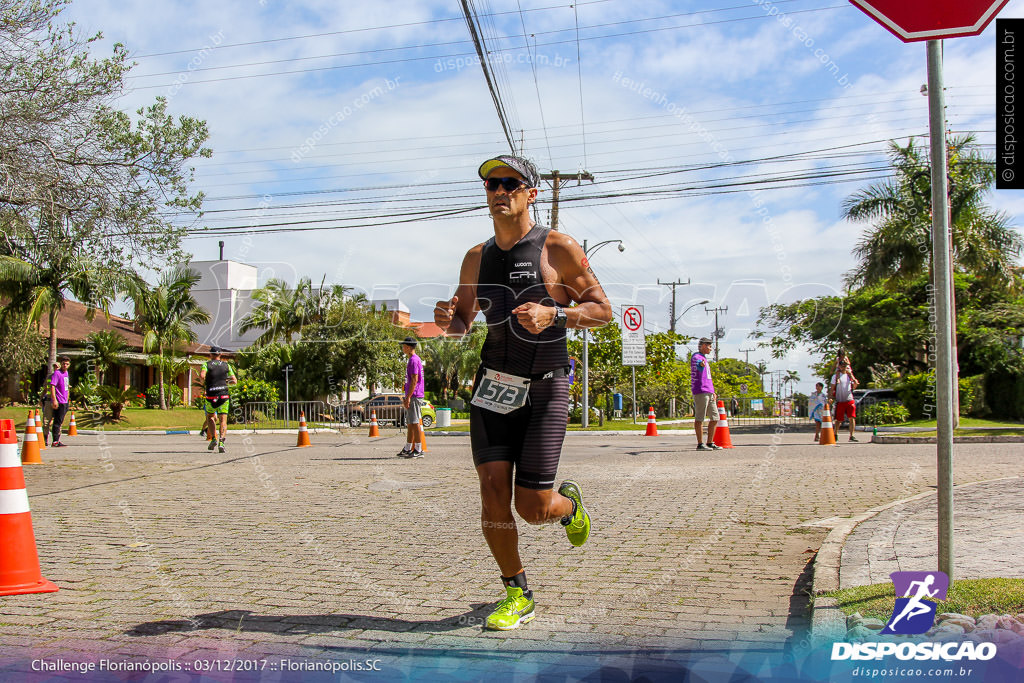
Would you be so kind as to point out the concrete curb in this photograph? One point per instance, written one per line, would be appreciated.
(999, 438)
(827, 620)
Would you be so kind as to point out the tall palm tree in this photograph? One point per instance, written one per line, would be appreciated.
(106, 349)
(42, 289)
(897, 246)
(281, 311)
(166, 314)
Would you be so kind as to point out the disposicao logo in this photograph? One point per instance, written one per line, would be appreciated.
(914, 614)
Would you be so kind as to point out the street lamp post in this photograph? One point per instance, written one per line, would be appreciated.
(585, 417)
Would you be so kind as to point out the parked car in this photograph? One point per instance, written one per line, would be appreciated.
(867, 397)
(389, 409)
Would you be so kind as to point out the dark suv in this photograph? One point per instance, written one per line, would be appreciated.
(389, 409)
(868, 397)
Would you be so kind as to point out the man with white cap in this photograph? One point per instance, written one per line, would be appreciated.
(703, 396)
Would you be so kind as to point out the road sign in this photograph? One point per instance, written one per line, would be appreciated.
(913, 20)
(743, 388)
(634, 341)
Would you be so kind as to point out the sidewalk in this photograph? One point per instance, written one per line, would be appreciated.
(988, 541)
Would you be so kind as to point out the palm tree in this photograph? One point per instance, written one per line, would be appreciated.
(448, 356)
(106, 348)
(42, 289)
(282, 311)
(166, 314)
(897, 247)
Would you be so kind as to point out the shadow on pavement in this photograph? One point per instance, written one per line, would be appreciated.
(241, 621)
(799, 618)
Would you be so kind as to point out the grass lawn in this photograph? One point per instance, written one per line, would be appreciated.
(965, 422)
(966, 432)
(132, 418)
(971, 597)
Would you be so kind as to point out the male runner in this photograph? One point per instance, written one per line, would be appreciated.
(522, 279)
(217, 375)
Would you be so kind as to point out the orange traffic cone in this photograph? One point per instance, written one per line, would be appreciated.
(722, 437)
(374, 430)
(72, 429)
(652, 424)
(30, 448)
(423, 437)
(19, 562)
(40, 434)
(828, 434)
(303, 432)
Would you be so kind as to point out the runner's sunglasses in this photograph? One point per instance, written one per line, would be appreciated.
(508, 184)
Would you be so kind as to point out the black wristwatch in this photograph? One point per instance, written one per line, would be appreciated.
(560, 317)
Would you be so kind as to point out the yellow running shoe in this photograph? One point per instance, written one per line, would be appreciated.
(578, 527)
(512, 612)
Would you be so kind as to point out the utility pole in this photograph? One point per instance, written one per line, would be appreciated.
(747, 351)
(557, 179)
(672, 311)
(716, 310)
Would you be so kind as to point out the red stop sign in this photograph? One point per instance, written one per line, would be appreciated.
(912, 20)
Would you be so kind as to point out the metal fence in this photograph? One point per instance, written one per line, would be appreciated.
(285, 415)
(769, 410)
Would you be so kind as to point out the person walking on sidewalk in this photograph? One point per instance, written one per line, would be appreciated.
(524, 278)
(59, 397)
(217, 374)
(703, 396)
(816, 403)
(841, 390)
(412, 401)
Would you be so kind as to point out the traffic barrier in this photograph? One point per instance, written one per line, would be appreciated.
(303, 432)
(374, 430)
(652, 423)
(72, 428)
(19, 561)
(30, 454)
(722, 437)
(422, 436)
(827, 437)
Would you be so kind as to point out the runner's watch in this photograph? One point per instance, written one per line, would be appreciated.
(560, 317)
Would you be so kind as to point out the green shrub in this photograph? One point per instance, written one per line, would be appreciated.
(917, 392)
(172, 396)
(883, 413)
(84, 391)
(251, 390)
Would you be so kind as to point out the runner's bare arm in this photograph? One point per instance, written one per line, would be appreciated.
(457, 314)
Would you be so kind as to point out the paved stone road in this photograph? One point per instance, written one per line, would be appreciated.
(988, 536)
(164, 550)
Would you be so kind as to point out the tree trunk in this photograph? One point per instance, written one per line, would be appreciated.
(53, 343)
(160, 374)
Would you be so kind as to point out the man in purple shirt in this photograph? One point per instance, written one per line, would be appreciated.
(59, 398)
(703, 396)
(412, 400)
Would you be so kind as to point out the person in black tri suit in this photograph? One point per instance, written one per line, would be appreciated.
(217, 374)
(524, 279)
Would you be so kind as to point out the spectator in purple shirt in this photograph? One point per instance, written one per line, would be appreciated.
(703, 396)
(412, 400)
(59, 398)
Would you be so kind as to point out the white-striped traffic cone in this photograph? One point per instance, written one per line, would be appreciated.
(19, 562)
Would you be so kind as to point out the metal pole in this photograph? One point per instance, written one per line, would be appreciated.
(287, 405)
(634, 394)
(943, 319)
(585, 418)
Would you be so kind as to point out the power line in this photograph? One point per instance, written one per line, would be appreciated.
(484, 65)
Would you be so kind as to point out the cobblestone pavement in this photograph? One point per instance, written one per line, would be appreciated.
(988, 536)
(162, 549)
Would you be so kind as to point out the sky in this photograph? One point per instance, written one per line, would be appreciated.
(722, 135)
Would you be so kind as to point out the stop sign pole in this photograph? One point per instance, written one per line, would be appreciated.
(933, 20)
